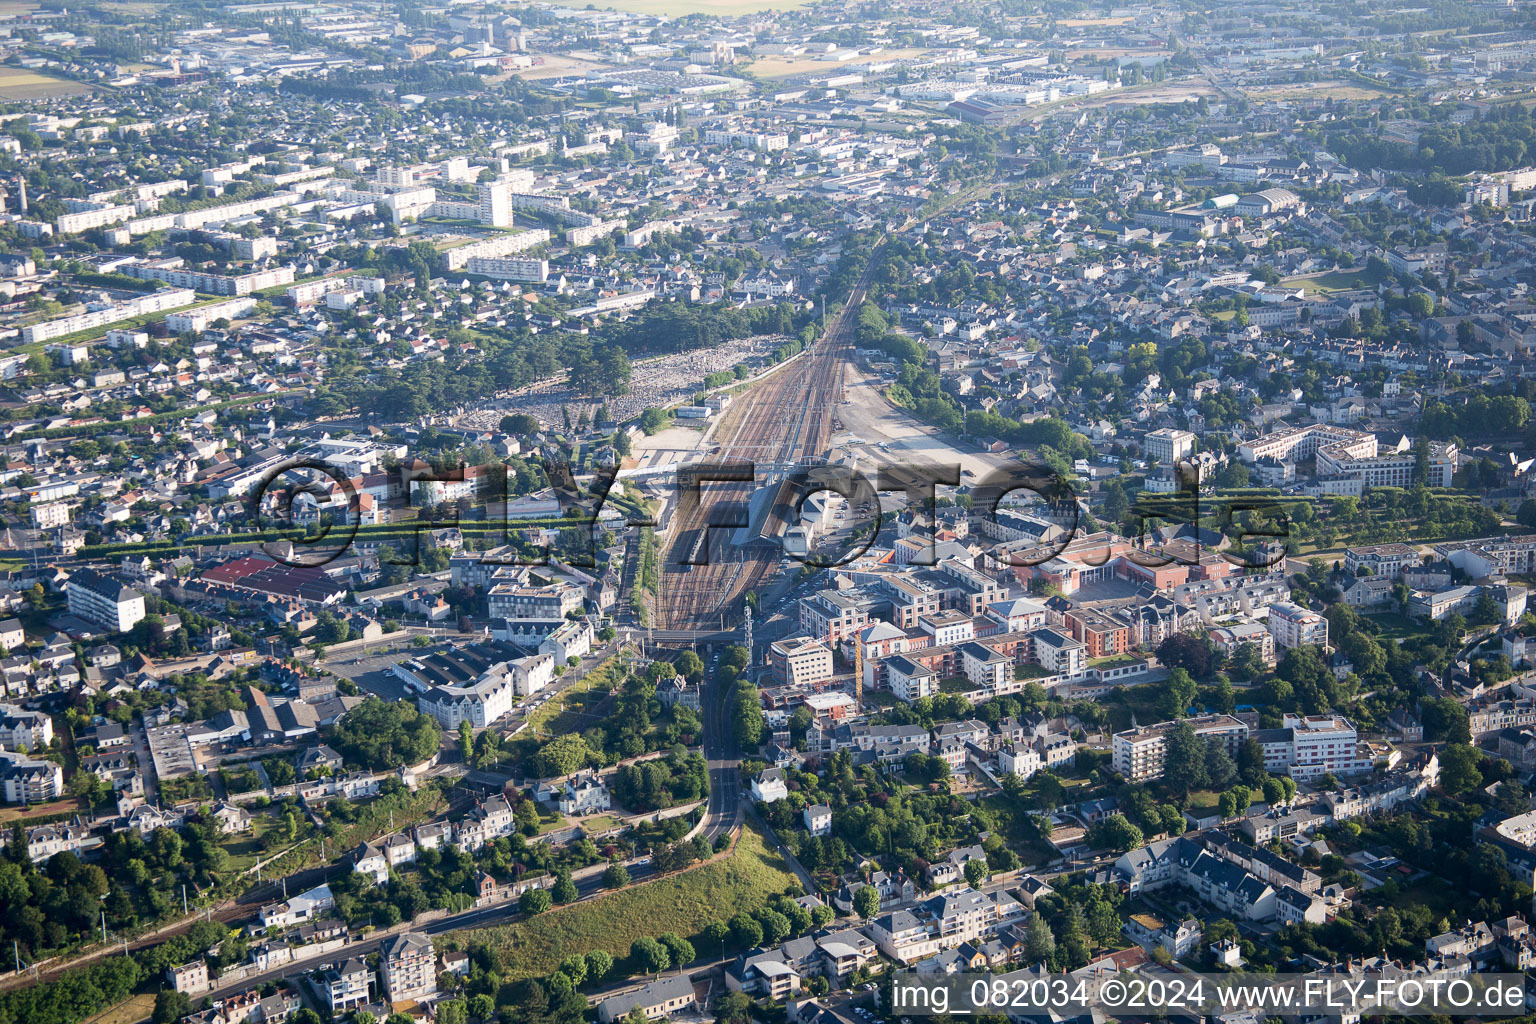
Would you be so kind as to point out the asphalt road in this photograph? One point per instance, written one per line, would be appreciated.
(724, 808)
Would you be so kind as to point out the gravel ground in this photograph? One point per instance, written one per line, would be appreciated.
(655, 383)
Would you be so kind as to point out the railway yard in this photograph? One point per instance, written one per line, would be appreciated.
(787, 419)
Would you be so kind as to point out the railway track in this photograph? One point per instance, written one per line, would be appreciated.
(787, 419)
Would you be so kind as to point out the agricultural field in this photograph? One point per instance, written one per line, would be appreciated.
(22, 84)
(805, 64)
(1332, 90)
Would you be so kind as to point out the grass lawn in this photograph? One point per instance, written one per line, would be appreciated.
(1206, 799)
(135, 1008)
(244, 851)
(566, 713)
(549, 820)
(597, 822)
(682, 903)
(1437, 896)
(1395, 626)
(39, 812)
(1332, 281)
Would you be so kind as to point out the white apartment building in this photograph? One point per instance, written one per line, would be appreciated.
(212, 284)
(529, 601)
(1490, 556)
(948, 628)
(24, 730)
(1385, 560)
(27, 781)
(1168, 445)
(458, 257)
(1351, 454)
(984, 667)
(834, 614)
(50, 516)
(204, 317)
(99, 217)
(110, 313)
(345, 987)
(507, 269)
(104, 600)
(573, 639)
(1387, 468)
(533, 673)
(1307, 746)
(1060, 654)
(1295, 626)
(909, 680)
(1021, 759)
(409, 967)
(1138, 754)
(800, 661)
(480, 703)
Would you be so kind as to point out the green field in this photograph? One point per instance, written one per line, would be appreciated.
(1394, 626)
(1332, 281)
(682, 903)
(22, 84)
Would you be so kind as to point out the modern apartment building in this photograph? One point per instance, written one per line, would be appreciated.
(1295, 626)
(1307, 746)
(104, 600)
(1168, 445)
(409, 967)
(532, 601)
(1385, 560)
(800, 661)
(1138, 754)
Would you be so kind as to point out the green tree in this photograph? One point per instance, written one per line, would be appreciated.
(1184, 758)
(748, 934)
(1039, 942)
(519, 423)
(575, 968)
(564, 890)
(649, 955)
(534, 901)
(1459, 771)
(599, 963)
(170, 1006)
(615, 877)
(1115, 832)
(866, 902)
(681, 949)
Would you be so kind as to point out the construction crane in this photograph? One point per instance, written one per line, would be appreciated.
(858, 673)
